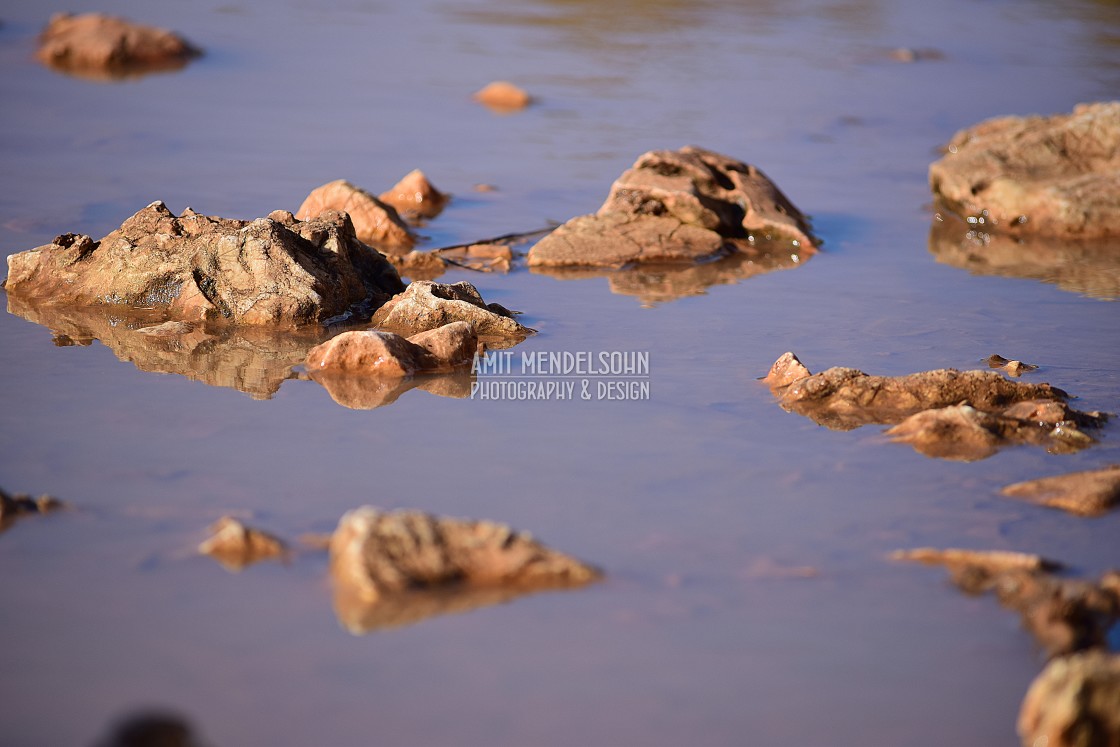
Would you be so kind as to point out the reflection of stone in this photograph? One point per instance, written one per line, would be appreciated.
(654, 283)
(1088, 266)
(394, 568)
(1074, 702)
(370, 392)
(245, 358)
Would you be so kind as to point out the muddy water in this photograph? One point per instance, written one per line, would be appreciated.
(697, 501)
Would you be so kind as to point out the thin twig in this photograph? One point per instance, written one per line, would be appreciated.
(495, 240)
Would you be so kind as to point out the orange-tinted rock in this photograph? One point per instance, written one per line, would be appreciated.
(503, 96)
(375, 222)
(100, 45)
(426, 305)
(786, 370)
(1053, 176)
(389, 355)
(1089, 493)
(1074, 702)
(235, 545)
(273, 271)
(415, 197)
(1012, 367)
(677, 206)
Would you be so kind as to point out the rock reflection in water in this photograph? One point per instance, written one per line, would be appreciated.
(658, 283)
(1091, 268)
(370, 392)
(249, 360)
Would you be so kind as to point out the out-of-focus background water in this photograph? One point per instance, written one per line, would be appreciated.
(685, 499)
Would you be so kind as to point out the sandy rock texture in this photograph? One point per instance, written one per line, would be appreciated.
(382, 562)
(1074, 702)
(1055, 176)
(275, 271)
(425, 305)
(677, 206)
(375, 222)
(97, 45)
(1088, 493)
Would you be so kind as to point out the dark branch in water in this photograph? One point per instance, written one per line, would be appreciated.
(495, 240)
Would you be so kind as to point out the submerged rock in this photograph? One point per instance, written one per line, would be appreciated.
(1074, 702)
(415, 197)
(503, 97)
(235, 545)
(381, 561)
(389, 355)
(1064, 615)
(425, 305)
(18, 505)
(677, 206)
(104, 46)
(375, 222)
(275, 271)
(1012, 367)
(1090, 493)
(1054, 176)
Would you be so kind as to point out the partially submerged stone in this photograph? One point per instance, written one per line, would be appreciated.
(1089, 493)
(17, 505)
(1074, 702)
(677, 206)
(98, 45)
(419, 265)
(384, 559)
(275, 271)
(425, 305)
(1064, 615)
(235, 545)
(1054, 176)
(503, 97)
(389, 355)
(375, 222)
(786, 370)
(415, 197)
(1012, 367)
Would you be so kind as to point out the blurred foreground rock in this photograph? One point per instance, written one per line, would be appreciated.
(503, 97)
(1074, 702)
(100, 46)
(18, 505)
(948, 414)
(274, 271)
(1064, 615)
(425, 305)
(375, 222)
(236, 546)
(677, 206)
(1051, 176)
(1089, 493)
(395, 568)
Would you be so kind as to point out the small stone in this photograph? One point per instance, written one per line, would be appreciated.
(786, 370)
(415, 197)
(503, 96)
(235, 545)
(1089, 493)
(1012, 367)
(426, 305)
(375, 222)
(389, 355)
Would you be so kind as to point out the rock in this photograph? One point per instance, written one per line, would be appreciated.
(786, 370)
(1053, 176)
(425, 305)
(13, 507)
(1090, 493)
(503, 97)
(1087, 266)
(677, 206)
(1064, 615)
(415, 197)
(389, 355)
(1074, 702)
(1013, 368)
(375, 222)
(273, 271)
(250, 359)
(104, 46)
(382, 560)
(236, 546)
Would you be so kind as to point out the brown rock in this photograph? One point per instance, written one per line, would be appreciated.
(1054, 176)
(1074, 702)
(676, 206)
(425, 305)
(236, 546)
(415, 197)
(419, 265)
(451, 345)
(104, 46)
(382, 560)
(1087, 266)
(1013, 368)
(388, 355)
(786, 370)
(503, 97)
(991, 561)
(375, 222)
(274, 271)
(13, 507)
(1090, 493)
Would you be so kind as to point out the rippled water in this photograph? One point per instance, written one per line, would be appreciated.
(700, 503)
